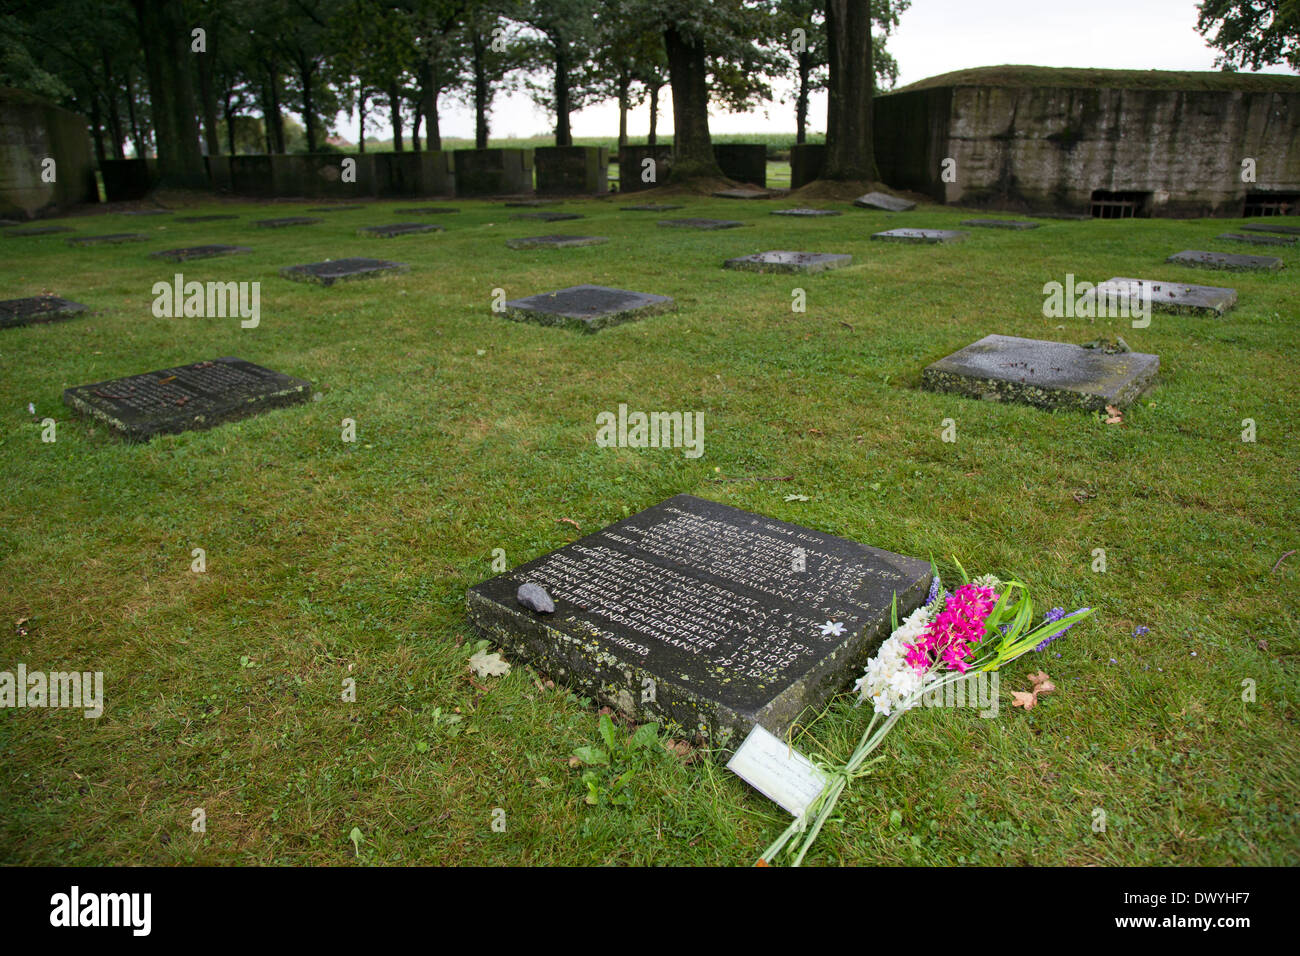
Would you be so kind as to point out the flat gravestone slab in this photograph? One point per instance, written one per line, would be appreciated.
(41, 308)
(1170, 296)
(919, 235)
(530, 203)
(398, 229)
(424, 211)
(38, 231)
(1272, 227)
(741, 194)
(199, 252)
(342, 270)
(186, 398)
(555, 242)
(806, 213)
(1257, 238)
(215, 218)
(1000, 223)
(112, 239)
(884, 201)
(652, 207)
(588, 308)
(1198, 259)
(690, 613)
(782, 261)
(700, 223)
(1044, 374)
(547, 216)
(286, 221)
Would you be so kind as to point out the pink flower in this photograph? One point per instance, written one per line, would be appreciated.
(948, 637)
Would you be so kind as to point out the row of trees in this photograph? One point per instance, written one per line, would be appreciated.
(182, 77)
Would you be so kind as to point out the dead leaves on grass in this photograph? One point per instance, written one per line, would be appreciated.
(1042, 684)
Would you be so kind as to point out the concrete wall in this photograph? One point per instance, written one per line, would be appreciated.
(321, 175)
(1047, 148)
(493, 172)
(572, 170)
(743, 162)
(32, 130)
(630, 171)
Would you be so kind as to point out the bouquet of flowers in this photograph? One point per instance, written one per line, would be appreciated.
(980, 626)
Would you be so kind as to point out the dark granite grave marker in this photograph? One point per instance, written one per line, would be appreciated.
(112, 239)
(286, 221)
(741, 194)
(1000, 223)
(1170, 296)
(187, 397)
(547, 216)
(587, 308)
(398, 229)
(424, 211)
(1198, 259)
(884, 201)
(555, 242)
(1257, 238)
(693, 613)
(652, 207)
(806, 213)
(1272, 227)
(199, 252)
(1044, 374)
(41, 308)
(342, 270)
(931, 236)
(215, 218)
(700, 223)
(781, 261)
(38, 231)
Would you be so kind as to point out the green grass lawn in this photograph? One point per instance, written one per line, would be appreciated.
(328, 560)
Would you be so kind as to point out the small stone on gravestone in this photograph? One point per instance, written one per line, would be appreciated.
(1171, 296)
(651, 207)
(38, 231)
(1000, 223)
(424, 211)
(703, 616)
(782, 261)
(1271, 227)
(884, 201)
(741, 194)
(1043, 374)
(587, 308)
(535, 598)
(341, 270)
(700, 223)
(398, 229)
(806, 213)
(1257, 239)
(919, 235)
(112, 239)
(205, 218)
(199, 252)
(286, 221)
(1198, 259)
(547, 216)
(187, 397)
(555, 242)
(41, 308)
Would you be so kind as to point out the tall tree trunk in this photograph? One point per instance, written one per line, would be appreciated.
(415, 130)
(137, 135)
(307, 77)
(229, 110)
(434, 137)
(801, 101)
(208, 100)
(563, 136)
(361, 115)
(164, 36)
(95, 135)
(688, 77)
(850, 152)
(624, 95)
(395, 110)
(481, 91)
(114, 115)
(429, 105)
(271, 112)
(653, 138)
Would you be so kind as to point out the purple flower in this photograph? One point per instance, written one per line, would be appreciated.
(1052, 616)
(934, 591)
(1141, 630)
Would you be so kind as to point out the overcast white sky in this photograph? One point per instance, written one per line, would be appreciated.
(934, 36)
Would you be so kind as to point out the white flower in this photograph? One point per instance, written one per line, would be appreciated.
(990, 581)
(832, 628)
(889, 680)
